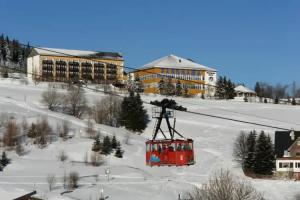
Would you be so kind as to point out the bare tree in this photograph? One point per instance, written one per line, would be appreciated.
(11, 133)
(73, 180)
(107, 111)
(51, 180)
(76, 101)
(96, 159)
(51, 97)
(43, 132)
(223, 185)
(90, 130)
(240, 148)
(64, 129)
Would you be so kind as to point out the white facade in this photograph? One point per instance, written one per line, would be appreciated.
(210, 82)
(33, 66)
(286, 165)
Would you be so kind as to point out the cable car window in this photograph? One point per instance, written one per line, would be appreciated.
(148, 147)
(154, 147)
(179, 147)
(191, 145)
(171, 147)
(159, 148)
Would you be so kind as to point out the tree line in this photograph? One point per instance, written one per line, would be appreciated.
(12, 53)
(255, 153)
(279, 91)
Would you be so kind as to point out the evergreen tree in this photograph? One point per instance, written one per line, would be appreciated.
(264, 155)
(276, 100)
(293, 101)
(257, 89)
(178, 88)
(32, 131)
(106, 146)
(119, 151)
(219, 88)
(133, 115)
(97, 144)
(250, 158)
(114, 142)
(4, 160)
(202, 96)
(265, 100)
(230, 89)
(224, 88)
(270, 159)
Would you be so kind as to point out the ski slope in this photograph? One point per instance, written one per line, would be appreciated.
(130, 178)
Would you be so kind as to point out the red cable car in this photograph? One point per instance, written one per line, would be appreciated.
(168, 151)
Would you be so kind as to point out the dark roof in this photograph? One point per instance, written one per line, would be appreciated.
(76, 53)
(283, 141)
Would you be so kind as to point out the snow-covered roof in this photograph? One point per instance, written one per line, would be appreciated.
(175, 62)
(12, 193)
(243, 89)
(81, 53)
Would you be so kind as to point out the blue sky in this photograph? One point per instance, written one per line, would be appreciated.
(246, 40)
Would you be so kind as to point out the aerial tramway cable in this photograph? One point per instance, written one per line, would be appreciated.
(114, 94)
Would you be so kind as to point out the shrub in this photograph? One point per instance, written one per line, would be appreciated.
(223, 185)
(73, 180)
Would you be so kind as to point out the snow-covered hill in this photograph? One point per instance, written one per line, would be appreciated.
(130, 178)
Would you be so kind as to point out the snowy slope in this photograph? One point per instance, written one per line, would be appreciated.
(130, 178)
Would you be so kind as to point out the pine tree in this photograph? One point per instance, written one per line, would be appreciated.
(119, 151)
(270, 159)
(265, 100)
(219, 88)
(32, 131)
(106, 146)
(97, 144)
(294, 101)
(250, 158)
(264, 155)
(133, 115)
(4, 160)
(230, 89)
(257, 89)
(114, 142)
(276, 100)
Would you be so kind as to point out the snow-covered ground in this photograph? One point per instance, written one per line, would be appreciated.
(130, 178)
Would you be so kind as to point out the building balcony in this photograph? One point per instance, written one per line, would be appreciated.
(74, 69)
(47, 67)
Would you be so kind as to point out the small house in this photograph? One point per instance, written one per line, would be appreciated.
(287, 152)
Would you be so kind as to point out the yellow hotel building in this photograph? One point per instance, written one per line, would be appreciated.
(196, 78)
(62, 65)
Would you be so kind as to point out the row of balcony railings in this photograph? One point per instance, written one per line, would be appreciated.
(76, 74)
(73, 63)
(76, 69)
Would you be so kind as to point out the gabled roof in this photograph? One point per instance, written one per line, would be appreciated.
(77, 53)
(243, 89)
(175, 62)
(283, 141)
